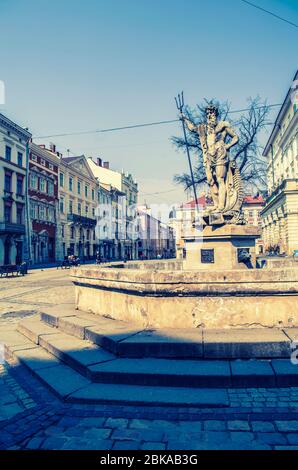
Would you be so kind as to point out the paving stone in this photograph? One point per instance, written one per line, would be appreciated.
(36, 358)
(116, 423)
(292, 438)
(53, 443)
(67, 421)
(91, 422)
(272, 438)
(262, 426)
(238, 425)
(242, 436)
(287, 426)
(34, 443)
(126, 445)
(153, 424)
(245, 343)
(214, 425)
(137, 435)
(153, 446)
(97, 433)
(252, 373)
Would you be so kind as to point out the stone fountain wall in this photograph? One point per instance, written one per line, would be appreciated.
(184, 299)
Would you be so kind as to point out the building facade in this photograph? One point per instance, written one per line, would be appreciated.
(14, 145)
(280, 214)
(78, 199)
(155, 238)
(124, 207)
(43, 201)
(252, 208)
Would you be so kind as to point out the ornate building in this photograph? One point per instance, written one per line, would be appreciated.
(78, 199)
(14, 142)
(252, 208)
(43, 200)
(124, 211)
(280, 214)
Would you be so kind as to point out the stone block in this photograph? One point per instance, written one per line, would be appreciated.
(245, 343)
(286, 372)
(252, 373)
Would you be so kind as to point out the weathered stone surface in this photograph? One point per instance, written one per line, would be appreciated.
(163, 343)
(182, 299)
(144, 395)
(75, 325)
(252, 373)
(109, 336)
(74, 352)
(163, 372)
(36, 358)
(62, 380)
(33, 328)
(246, 343)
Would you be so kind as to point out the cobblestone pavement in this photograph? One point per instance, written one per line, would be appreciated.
(31, 417)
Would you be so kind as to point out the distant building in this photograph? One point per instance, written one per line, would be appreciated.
(43, 201)
(125, 238)
(14, 142)
(252, 208)
(155, 238)
(280, 214)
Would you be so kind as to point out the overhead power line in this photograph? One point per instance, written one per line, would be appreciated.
(270, 13)
(135, 126)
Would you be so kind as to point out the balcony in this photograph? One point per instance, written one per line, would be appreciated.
(81, 220)
(7, 227)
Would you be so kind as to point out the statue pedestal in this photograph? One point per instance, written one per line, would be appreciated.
(221, 247)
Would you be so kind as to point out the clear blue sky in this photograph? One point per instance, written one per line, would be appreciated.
(72, 65)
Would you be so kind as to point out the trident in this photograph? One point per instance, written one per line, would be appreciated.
(180, 105)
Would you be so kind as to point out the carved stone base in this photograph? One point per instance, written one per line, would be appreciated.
(221, 247)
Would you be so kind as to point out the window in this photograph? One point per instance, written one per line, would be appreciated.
(51, 167)
(93, 194)
(88, 234)
(86, 209)
(250, 214)
(7, 213)
(42, 162)
(33, 158)
(79, 208)
(61, 180)
(86, 191)
(42, 185)
(20, 159)
(72, 232)
(7, 182)
(93, 212)
(70, 181)
(42, 212)
(62, 231)
(7, 153)
(33, 210)
(19, 184)
(70, 207)
(61, 205)
(50, 188)
(79, 187)
(19, 214)
(33, 181)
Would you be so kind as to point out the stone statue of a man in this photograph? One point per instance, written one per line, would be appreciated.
(220, 171)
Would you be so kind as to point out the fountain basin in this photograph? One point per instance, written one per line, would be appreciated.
(162, 298)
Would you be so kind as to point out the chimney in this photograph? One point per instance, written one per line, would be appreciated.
(106, 165)
(42, 146)
(52, 147)
(99, 161)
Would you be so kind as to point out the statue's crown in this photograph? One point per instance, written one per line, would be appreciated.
(211, 109)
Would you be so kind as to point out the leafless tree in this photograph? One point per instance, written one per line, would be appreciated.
(247, 153)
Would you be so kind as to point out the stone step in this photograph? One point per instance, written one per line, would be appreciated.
(127, 340)
(72, 387)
